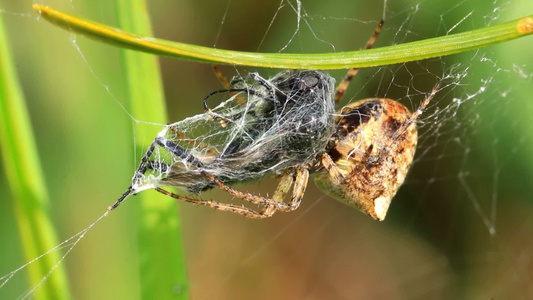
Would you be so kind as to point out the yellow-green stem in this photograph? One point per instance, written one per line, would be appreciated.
(440, 46)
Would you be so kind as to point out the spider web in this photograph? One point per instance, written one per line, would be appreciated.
(460, 224)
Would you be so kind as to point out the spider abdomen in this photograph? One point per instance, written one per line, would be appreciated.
(372, 153)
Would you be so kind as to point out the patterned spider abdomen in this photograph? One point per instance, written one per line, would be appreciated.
(371, 152)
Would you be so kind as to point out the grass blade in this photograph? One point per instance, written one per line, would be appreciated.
(440, 46)
(162, 262)
(26, 182)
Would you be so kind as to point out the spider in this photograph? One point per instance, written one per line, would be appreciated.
(287, 126)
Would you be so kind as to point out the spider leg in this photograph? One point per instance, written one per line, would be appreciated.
(270, 206)
(276, 203)
(414, 116)
(341, 89)
(247, 212)
(300, 184)
(281, 191)
(223, 80)
(258, 200)
(334, 172)
(424, 103)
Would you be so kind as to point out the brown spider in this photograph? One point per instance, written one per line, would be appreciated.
(366, 153)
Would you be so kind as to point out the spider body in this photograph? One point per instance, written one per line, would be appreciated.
(370, 155)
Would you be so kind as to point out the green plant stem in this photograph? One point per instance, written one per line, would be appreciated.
(440, 46)
(26, 182)
(162, 263)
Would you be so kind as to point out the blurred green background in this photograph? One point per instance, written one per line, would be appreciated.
(474, 155)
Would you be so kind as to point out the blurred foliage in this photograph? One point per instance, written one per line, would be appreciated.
(158, 220)
(432, 245)
(24, 176)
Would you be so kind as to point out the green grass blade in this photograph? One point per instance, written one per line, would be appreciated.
(26, 182)
(440, 46)
(162, 262)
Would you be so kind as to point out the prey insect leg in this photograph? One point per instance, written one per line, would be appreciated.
(147, 163)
